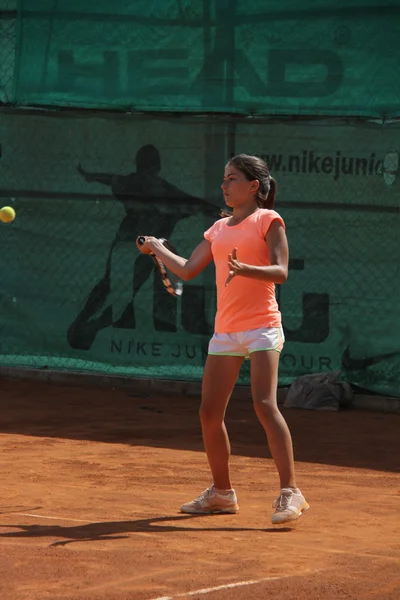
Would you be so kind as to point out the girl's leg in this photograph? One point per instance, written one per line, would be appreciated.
(291, 503)
(220, 375)
(264, 383)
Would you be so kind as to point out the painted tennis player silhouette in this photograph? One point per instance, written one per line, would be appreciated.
(151, 204)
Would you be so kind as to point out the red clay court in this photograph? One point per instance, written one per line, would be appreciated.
(92, 480)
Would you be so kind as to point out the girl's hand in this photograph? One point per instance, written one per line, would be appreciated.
(235, 266)
(146, 244)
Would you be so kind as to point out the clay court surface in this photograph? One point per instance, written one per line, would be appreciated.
(92, 480)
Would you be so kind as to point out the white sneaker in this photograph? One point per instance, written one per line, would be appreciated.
(289, 506)
(210, 502)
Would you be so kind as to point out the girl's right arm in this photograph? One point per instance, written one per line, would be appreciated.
(184, 268)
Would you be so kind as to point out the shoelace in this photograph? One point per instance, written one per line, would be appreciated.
(205, 494)
(283, 502)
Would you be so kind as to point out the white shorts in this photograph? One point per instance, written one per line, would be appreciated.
(243, 343)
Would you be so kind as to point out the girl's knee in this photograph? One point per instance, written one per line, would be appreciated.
(208, 415)
(266, 406)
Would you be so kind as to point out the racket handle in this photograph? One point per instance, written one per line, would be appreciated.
(141, 240)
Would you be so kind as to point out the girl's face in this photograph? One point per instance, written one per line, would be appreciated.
(236, 188)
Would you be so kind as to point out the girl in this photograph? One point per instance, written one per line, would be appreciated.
(250, 251)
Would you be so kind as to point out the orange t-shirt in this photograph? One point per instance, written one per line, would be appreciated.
(245, 303)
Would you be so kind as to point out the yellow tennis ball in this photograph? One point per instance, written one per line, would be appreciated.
(7, 214)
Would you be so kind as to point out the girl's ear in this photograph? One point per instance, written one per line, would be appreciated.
(254, 185)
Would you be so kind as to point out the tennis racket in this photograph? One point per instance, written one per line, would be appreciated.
(172, 283)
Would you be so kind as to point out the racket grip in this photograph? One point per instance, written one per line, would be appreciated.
(141, 240)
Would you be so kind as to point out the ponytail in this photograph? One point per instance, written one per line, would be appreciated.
(266, 193)
(271, 194)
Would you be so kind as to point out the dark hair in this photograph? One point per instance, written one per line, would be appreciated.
(253, 168)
